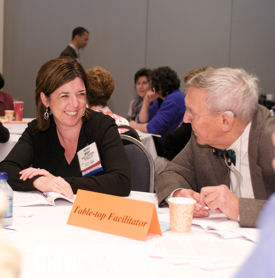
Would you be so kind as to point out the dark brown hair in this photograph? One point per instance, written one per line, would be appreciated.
(79, 31)
(50, 77)
(166, 80)
(2, 81)
(143, 72)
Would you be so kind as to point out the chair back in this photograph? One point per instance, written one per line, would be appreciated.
(128, 130)
(141, 164)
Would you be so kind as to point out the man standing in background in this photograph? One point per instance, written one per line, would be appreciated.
(80, 37)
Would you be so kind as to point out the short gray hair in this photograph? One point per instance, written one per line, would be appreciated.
(229, 89)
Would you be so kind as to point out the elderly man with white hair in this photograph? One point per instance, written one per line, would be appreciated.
(226, 165)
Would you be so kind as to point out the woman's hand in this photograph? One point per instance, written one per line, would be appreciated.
(150, 96)
(30, 172)
(48, 182)
(133, 124)
(54, 184)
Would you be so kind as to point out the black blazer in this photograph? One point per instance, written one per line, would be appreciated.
(69, 51)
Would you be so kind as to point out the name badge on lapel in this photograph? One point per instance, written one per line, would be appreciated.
(89, 160)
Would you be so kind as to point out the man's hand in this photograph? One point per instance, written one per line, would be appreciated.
(199, 210)
(220, 199)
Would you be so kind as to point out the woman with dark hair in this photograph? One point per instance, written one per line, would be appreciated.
(4, 134)
(67, 147)
(6, 100)
(163, 107)
(175, 140)
(6, 103)
(142, 84)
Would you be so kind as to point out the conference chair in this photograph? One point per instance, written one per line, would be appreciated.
(141, 164)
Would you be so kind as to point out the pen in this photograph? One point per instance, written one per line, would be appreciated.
(45, 194)
(11, 229)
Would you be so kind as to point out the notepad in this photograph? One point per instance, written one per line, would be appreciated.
(37, 198)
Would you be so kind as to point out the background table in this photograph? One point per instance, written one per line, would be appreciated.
(51, 248)
(5, 148)
(15, 129)
(148, 142)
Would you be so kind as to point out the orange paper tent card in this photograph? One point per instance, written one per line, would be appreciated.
(114, 215)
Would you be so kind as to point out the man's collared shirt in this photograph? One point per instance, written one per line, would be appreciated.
(240, 178)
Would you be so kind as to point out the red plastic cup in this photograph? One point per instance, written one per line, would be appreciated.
(18, 110)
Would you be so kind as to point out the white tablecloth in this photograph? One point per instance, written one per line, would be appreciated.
(15, 129)
(51, 248)
(5, 148)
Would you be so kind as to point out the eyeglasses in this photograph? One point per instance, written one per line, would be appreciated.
(192, 117)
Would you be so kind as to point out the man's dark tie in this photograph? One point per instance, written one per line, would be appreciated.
(228, 155)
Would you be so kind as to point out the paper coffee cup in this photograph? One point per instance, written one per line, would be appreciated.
(181, 211)
(18, 110)
(9, 115)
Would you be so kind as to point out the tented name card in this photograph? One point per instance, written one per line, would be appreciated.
(114, 215)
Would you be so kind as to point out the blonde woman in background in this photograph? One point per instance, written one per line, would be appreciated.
(190, 74)
(101, 87)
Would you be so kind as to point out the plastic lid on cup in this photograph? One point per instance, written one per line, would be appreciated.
(182, 200)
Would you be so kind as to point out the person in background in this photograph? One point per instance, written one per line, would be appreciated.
(80, 38)
(142, 84)
(190, 74)
(67, 147)
(163, 107)
(101, 87)
(6, 100)
(175, 140)
(226, 165)
(261, 261)
(4, 134)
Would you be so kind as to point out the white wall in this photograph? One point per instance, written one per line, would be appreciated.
(128, 34)
(1, 34)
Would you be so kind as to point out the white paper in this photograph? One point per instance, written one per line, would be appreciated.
(227, 229)
(216, 223)
(200, 253)
(32, 198)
